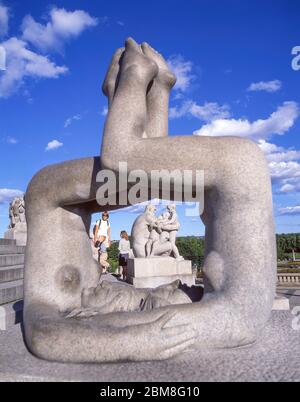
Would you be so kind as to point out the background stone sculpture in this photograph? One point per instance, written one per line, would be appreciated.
(17, 229)
(17, 212)
(238, 217)
(167, 228)
(156, 236)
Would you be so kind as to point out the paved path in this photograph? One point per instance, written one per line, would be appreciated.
(274, 357)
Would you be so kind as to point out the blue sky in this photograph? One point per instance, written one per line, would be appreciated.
(233, 62)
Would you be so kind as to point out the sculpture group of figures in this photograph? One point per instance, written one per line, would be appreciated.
(156, 236)
(17, 212)
(61, 275)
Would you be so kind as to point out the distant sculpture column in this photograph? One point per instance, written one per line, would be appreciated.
(17, 229)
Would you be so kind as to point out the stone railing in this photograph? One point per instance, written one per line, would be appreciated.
(291, 279)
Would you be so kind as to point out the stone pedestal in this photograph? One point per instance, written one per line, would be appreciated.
(18, 233)
(281, 303)
(156, 271)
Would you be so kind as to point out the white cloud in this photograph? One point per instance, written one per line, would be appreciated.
(267, 147)
(11, 140)
(140, 208)
(104, 111)
(295, 210)
(284, 156)
(183, 71)
(284, 163)
(70, 120)
(275, 153)
(7, 195)
(284, 170)
(267, 86)
(53, 145)
(278, 123)
(207, 112)
(23, 63)
(63, 25)
(284, 166)
(4, 17)
(290, 188)
(160, 205)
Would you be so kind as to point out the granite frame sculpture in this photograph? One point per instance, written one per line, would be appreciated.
(240, 265)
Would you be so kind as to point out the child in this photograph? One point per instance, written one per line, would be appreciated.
(124, 249)
(103, 256)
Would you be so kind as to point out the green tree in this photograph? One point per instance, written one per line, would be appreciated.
(113, 256)
(191, 248)
(286, 243)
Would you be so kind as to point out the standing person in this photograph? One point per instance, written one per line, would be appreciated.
(102, 240)
(102, 230)
(124, 249)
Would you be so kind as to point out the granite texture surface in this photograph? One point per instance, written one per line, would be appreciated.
(274, 357)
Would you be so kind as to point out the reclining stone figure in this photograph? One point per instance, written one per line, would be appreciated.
(110, 297)
(60, 199)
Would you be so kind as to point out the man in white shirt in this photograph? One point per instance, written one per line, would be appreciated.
(102, 230)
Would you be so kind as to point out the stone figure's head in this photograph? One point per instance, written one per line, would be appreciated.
(17, 202)
(150, 209)
(171, 293)
(171, 207)
(164, 216)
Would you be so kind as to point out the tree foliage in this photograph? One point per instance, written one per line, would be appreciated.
(286, 243)
(191, 248)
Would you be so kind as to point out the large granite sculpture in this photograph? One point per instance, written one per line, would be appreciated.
(239, 268)
(17, 229)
